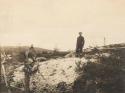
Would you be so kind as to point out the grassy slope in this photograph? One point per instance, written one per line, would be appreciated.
(107, 72)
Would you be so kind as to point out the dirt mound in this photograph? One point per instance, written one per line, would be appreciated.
(51, 73)
(101, 70)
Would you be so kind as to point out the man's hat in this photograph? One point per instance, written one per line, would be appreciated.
(80, 32)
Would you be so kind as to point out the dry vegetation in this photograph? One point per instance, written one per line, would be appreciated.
(101, 70)
(106, 75)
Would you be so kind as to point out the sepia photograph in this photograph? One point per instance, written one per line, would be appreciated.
(62, 46)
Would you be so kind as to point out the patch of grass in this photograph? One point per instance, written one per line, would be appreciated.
(105, 76)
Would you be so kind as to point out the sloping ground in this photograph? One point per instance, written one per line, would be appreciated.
(59, 70)
(101, 70)
(18, 52)
(52, 72)
(105, 75)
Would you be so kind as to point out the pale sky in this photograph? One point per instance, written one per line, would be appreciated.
(56, 23)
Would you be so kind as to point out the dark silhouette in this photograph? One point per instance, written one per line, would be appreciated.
(30, 60)
(80, 44)
(31, 53)
(28, 65)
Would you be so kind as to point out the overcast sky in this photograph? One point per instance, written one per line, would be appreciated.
(56, 23)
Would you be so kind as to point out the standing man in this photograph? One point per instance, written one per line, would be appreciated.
(28, 65)
(79, 44)
(31, 53)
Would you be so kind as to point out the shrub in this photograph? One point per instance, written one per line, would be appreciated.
(106, 76)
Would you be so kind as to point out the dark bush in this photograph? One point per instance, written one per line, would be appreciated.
(106, 76)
